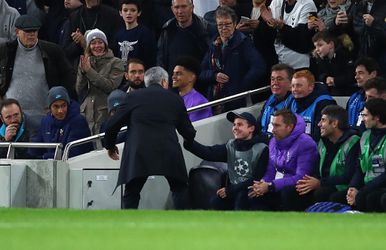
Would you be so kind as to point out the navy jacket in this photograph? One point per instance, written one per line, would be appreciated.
(72, 128)
(241, 62)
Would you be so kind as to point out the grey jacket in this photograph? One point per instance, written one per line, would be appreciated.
(94, 86)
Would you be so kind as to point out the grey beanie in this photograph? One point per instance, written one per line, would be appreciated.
(94, 34)
(57, 93)
(116, 99)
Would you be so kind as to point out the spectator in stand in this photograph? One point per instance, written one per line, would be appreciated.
(247, 158)
(263, 35)
(63, 124)
(332, 64)
(99, 73)
(310, 99)
(116, 100)
(33, 8)
(368, 22)
(281, 98)
(134, 40)
(326, 17)
(232, 64)
(91, 15)
(289, 18)
(185, 75)
(338, 150)
(240, 10)
(369, 183)
(184, 35)
(8, 16)
(365, 69)
(14, 128)
(56, 22)
(292, 155)
(375, 88)
(29, 67)
(134, 76)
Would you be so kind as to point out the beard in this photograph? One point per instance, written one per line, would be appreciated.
(135, 85)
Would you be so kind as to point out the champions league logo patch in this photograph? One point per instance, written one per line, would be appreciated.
(241, 167)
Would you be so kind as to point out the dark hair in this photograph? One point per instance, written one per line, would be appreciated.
(325, 36)
(189, 63)
(136, 61)
(282, 66)
(135, 2)
(7, 102)
(376, 107)
(369, 63)
(225, 11)
(289, 118)
(378, 83)
(336, 113)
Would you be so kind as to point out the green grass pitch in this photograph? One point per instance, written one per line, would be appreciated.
(80, 229)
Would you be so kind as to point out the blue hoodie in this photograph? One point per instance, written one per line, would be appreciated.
(72, 128)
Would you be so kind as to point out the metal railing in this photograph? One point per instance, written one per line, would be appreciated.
(246, 94)
(13, 145)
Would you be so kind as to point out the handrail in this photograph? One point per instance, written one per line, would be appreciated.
(246, 94)
(12, 145)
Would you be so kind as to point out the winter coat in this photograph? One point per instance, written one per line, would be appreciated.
(8, 16)
(240, 61)
(175, 41)
(294, 156)
(93, 87)
(152, 116)
(72, 128)
(341, 67)
(59, 71)
(371, 40)
(107, 20)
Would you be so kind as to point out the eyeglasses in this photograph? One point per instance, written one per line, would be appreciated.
(224, 25)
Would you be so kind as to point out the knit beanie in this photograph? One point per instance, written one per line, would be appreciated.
(94, 34)
(57, 93)
(116, 99)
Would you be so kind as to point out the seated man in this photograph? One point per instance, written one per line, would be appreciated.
(310, 98)
(247, 159)
(338, 150)
(134, 76)
(184, 78)
(375, 88)
(365, 69)
(292, 155)
(63, 124)
(14, 128)
(281, 98)
(369, 182)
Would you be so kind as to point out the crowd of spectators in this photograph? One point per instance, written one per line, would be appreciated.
(61, 61)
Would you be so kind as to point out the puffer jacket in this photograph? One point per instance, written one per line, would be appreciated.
(294, 156)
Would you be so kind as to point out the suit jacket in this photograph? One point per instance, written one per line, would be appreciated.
(152, 116)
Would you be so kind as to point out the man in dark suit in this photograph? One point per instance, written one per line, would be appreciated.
(152, 115)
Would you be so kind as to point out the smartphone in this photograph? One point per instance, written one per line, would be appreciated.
(312, 16)
(244, 19)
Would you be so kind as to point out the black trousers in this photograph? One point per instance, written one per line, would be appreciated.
(329, 193)
(369, 200)
(237, 198)
(286, 199)
(131, 196)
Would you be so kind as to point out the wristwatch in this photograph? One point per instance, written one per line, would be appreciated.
(271, 187)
